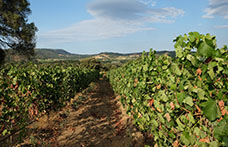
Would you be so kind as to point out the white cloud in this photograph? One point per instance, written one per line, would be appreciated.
(217, 8)
(114, 18)
(130, 10)
(148, 2)
(221, 26)
(95, 29)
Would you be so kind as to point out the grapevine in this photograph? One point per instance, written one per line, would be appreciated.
(182, 100)
(29, 90)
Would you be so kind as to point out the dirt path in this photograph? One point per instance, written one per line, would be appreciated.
(94, 118)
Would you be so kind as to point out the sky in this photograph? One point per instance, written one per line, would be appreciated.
(125, 26)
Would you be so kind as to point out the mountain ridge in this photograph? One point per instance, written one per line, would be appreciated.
(61, 54)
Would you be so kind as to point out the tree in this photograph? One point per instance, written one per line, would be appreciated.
(15, 31)
(2, 56)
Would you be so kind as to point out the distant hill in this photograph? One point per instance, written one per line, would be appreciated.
(169, 53)
(57, 54)
(60, 54)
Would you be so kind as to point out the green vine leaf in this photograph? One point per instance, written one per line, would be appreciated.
(175, 69)
(187, 139)
(4, 132)
(211, 110)
(188, 100)
(179, 52)
(205, 49)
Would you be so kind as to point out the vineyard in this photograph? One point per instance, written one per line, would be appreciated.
(27, 91)
(180, 101)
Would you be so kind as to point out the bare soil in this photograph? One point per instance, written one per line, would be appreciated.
(93, 118)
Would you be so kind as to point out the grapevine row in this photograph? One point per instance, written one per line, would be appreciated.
(27, 91)
(180, 101)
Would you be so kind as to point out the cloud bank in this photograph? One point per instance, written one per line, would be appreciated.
(217, 8)
(221, 26)
(114, 18)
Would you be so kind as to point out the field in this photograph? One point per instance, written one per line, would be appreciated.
(170, 101)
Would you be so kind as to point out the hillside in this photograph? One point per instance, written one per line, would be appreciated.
(60, 54)
(56, 54)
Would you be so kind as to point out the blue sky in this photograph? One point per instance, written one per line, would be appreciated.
(94, 26)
